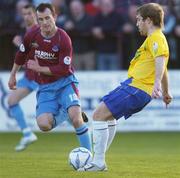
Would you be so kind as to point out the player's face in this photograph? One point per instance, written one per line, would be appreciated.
(141, 24)
(29, 16)
(46, 21)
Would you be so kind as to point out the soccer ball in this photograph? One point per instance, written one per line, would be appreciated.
(79, 157)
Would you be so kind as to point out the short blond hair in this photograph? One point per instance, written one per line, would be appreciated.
(154, 11)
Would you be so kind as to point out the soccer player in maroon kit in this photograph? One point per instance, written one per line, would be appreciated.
(24, 86)
(49, 53)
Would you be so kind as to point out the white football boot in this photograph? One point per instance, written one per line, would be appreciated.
(25, 141)
(92, 167)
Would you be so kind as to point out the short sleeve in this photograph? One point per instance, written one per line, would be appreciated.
(157, 46)
(24, 48)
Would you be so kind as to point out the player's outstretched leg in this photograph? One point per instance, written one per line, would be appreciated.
(25, 141)
(94, 166)
(100, 139)
(17, 113)
(28, 136)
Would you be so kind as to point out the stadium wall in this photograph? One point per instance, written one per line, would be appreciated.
(93, 85)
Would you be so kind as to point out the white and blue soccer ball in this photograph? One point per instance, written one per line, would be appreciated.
(79, 157)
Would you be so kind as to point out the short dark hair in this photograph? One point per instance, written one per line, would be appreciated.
(43, 6)
(154, 11)
(29, 6)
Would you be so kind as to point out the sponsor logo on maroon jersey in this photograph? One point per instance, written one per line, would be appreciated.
(45, 55)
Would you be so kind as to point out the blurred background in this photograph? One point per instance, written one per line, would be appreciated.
(104, 38)
(103, 32)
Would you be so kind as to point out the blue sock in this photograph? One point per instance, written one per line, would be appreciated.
(83, 136)
(81, 132)
(17, 113)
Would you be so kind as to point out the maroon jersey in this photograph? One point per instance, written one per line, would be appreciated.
(30, 74)
(54, 52)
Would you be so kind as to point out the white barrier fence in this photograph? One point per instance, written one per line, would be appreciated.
(93, 85)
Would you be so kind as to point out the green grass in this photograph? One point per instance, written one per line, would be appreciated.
(132, 155)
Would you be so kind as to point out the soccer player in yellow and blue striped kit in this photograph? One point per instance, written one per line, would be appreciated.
(147, 79)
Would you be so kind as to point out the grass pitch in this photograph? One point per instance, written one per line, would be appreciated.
(132, 155)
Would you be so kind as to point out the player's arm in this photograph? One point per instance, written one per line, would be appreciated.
(17, 40)
(20, 59)
(44, 70)
(164, 82)
(12, 78)
(165, 88)
(34, 65)
(160, 62)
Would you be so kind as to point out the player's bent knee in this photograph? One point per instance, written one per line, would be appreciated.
(102, 113)
(98, 115)
(11, 101)
(44, 127)
(44, 123)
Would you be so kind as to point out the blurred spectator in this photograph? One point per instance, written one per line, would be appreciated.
(79, 25)
(61, 11)
(169, 25)
(37, 2)
(20, 22)
(29, 19)
(122, 6)
(18, 15)
(177, 8)
(169, 3)
(177, 38)
(130, 36)
(169, 21)
(177, 32)
(106, 28)
(7, 31)
(7, 11)
(92, 8)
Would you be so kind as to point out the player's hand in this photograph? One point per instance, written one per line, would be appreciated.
(34, 65)
(157, 92)
(17, 40)
(12, 82)
(167, 98)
